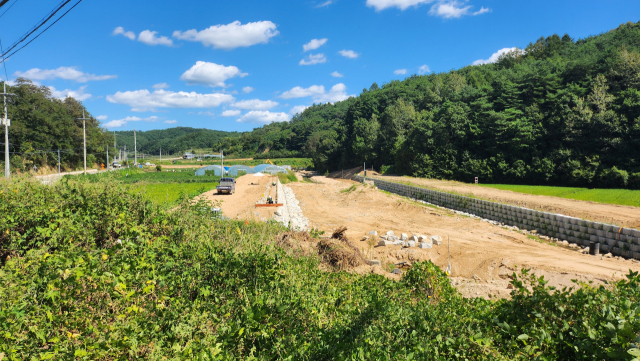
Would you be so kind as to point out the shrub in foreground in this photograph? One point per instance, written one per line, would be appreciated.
(182, 285)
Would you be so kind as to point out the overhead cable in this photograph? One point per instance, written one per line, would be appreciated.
(5, 56)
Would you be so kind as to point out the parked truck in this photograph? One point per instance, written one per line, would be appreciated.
(227, 185)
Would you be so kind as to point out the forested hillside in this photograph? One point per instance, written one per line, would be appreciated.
(561, 111)
(42, 124)
(173, 140)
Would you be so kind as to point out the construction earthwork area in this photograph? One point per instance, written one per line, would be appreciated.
(483, 255)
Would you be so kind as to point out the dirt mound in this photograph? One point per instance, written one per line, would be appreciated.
(339, 252)
(296, 243)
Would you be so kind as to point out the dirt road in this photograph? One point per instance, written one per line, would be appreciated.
(241, 205)
(482, 255)
(621, 215)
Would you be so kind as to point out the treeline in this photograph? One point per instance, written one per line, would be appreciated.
(172, 140)
(560, 112)
(41, 124)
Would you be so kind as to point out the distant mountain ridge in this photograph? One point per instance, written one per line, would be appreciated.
(172, 140)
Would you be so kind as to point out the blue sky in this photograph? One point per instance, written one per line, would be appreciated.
(237, 65)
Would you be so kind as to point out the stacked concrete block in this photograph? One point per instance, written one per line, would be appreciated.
(624, 242)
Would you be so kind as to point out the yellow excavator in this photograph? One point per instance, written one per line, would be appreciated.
(269, 161)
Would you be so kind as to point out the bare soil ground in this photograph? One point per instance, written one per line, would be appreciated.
(250, 190)
(483, 256)
(608, 213)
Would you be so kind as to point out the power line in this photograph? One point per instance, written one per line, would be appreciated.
(8, 8)
(5, 57)
(38, 25)
(3, 63)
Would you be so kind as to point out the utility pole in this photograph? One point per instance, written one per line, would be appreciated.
(84, 137)
(160, 154)
(7, 122)
(58, 161)
(222, 163)
(107, 157)
(135, 147)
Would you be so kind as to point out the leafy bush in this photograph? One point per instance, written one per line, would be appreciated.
(183, 284)
(614, 178)
(428, 280)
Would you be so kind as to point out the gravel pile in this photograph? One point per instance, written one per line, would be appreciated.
(296, 218)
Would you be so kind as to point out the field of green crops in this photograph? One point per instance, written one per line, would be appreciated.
(609, 196)
(158, 187)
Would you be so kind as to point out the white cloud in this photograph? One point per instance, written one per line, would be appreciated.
(120, 31)
(255, 104)
(335, 74)
(400, 71)
(247, 89)
(210, 74)
(298, 109)
(317, 92)
(231, 113)
(231, 36)
(63, 72)
(336, 94)
(299, 92)
(143, 100)
(444, 8)
(424, 69)
(314, 59)
(102, 117)
(400, 4)
(76, 94)
(263, 116)
(120, 122)
(454, 9)
(161, 86)
(349, 54)
(314, 44)
(170, 121)
(150, 38)
(481, 11)
(494, 57)
(326, 3)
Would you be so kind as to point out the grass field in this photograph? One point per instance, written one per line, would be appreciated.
(159, 187)
(623, 197)
(169, 193)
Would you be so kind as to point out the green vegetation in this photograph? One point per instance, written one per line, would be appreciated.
(170, 193)
(349, 190)
(159, 187)
(562, 112)
(623, 197)
(173, 140)
(88, 271)
(288, 177)
(40, 122)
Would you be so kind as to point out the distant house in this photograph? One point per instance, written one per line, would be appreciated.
(188, 156)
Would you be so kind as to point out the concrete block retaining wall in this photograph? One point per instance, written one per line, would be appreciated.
(624, 242)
